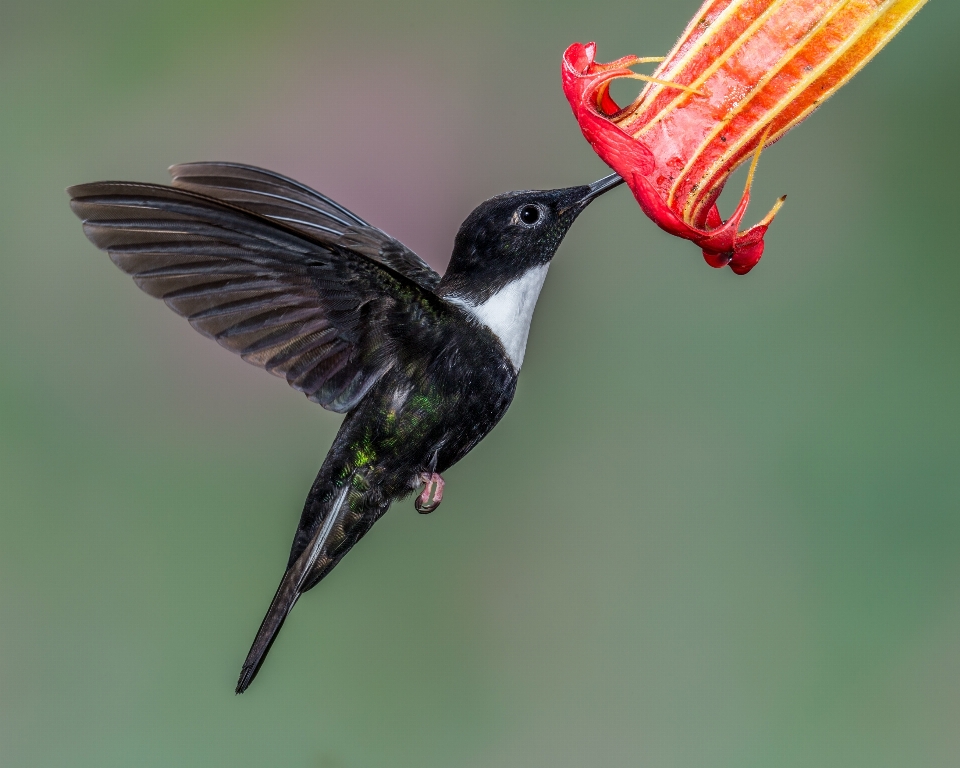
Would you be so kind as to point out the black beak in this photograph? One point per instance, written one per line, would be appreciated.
(578, 199)
(599, 187)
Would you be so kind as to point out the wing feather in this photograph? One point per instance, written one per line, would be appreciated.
(276, 196)
(277, 294)
(284, 200)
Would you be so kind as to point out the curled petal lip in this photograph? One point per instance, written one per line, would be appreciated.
(586, 85)
(743, 73)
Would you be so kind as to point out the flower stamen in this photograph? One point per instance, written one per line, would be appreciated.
(665, 83)
(768, 219)
(760, 67)
(756, 159)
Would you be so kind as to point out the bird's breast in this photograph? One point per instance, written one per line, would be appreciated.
(508, 313)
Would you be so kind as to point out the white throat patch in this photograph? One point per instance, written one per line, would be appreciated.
(508, 312)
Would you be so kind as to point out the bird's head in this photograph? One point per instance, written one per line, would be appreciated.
(508, 235)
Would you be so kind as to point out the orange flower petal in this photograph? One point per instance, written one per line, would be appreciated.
(742, 74)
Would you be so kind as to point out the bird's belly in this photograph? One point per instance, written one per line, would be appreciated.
(428, 422)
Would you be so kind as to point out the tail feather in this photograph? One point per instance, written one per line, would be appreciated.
(281, 606)
(291, 587)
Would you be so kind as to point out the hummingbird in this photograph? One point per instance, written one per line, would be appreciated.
(422, 366)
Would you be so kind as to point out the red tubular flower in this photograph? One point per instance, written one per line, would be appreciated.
(743, 74)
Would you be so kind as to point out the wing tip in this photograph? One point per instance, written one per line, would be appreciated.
(77, 191)
(174, 169)
(178, 169)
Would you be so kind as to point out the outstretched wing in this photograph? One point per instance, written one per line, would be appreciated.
(312, 309)
(281, 199)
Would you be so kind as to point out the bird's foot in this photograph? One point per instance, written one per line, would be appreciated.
(432, 494)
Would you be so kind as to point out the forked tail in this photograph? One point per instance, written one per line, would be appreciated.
(293, 585)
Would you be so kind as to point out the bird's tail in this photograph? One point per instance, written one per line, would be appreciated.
(293, 584)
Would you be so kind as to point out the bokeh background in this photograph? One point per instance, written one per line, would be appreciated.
(720, 525)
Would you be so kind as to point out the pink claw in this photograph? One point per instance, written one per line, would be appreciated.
(433, 487)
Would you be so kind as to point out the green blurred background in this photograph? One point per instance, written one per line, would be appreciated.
(767, 465)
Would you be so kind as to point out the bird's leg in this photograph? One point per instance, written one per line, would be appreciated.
(433, 487)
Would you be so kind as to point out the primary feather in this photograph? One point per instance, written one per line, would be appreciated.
(303, 303)
(281, 199)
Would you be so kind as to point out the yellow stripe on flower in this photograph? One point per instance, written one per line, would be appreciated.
(743, 73)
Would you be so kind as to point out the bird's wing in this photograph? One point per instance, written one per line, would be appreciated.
(282, 199)
(318, 314)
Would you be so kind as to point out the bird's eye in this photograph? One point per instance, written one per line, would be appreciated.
(530, 214)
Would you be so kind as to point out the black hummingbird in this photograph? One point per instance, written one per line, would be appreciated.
(423, 366)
